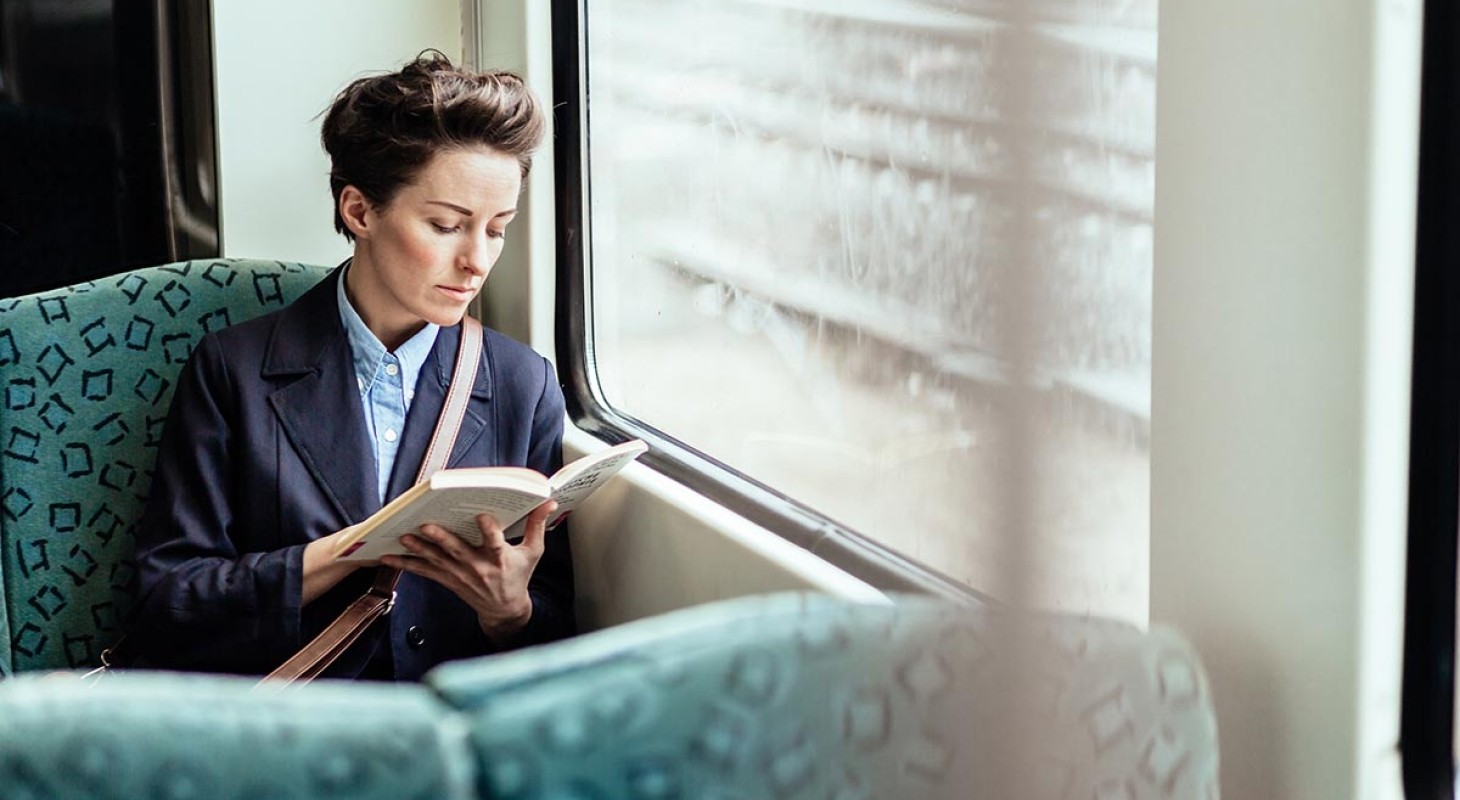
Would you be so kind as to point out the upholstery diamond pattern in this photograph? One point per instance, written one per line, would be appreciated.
(801, 696)
(163, 735)
(773, 697)
(87, 373)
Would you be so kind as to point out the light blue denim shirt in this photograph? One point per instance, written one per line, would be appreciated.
(387, 382)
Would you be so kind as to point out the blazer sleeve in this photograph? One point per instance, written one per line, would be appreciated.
(551, 586)
(205, 601)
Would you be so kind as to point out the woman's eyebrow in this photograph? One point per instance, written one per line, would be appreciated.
(452, 206)
(467, 211)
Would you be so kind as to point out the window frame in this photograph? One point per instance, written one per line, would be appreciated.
(839, 545)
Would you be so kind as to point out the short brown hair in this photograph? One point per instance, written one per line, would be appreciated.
(381, 130)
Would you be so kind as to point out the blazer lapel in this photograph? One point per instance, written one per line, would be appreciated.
(318, 401)
(426, 410)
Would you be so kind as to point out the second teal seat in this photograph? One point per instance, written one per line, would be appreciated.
(87, 373)
(808, 696)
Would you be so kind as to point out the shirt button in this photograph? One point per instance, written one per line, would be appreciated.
(391, 369)
(389, 434)
(415, 637)
(361, 383)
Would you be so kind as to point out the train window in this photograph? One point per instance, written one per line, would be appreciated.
(871, 253)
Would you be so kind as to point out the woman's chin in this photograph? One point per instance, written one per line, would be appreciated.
(447, 318)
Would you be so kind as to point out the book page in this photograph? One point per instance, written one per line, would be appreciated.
(573, 483)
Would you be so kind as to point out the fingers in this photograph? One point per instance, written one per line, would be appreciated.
(494, 539)
(492, 579)
(448, 542)
(449, 552)
(429, 570)
(442, 550)
(467, 565)
(535, 536)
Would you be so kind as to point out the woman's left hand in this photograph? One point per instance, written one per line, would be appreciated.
(491, 578)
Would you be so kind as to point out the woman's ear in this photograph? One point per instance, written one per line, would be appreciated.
(355, 210)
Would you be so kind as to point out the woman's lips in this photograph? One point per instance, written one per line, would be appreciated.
(457, 292)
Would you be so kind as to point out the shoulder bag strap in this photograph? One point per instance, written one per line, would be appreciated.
(337, 637)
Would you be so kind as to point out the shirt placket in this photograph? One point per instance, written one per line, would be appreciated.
(388, 402)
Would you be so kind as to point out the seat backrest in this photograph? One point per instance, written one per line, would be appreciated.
(144, 734)
(87, 373)
(803, 696)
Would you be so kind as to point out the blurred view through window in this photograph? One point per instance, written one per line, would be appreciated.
(828, 235)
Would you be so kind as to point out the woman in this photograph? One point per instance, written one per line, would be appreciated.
(287, 429)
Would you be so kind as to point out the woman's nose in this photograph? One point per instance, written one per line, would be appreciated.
(479, 255)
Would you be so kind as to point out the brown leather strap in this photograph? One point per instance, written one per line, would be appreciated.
(468, 356)
(337, 637)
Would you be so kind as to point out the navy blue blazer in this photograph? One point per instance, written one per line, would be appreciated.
(265, 449)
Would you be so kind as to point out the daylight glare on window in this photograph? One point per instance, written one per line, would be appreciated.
(828, 236)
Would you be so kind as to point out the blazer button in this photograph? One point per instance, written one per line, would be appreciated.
(415, 637)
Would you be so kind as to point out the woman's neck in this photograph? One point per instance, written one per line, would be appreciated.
(370, 301)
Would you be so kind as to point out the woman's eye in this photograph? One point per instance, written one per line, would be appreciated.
(496, 234)
(445, 229)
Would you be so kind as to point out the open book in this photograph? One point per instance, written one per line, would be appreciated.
(452, 498)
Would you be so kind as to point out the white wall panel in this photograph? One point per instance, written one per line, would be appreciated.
(279, 64)
(1284, 228)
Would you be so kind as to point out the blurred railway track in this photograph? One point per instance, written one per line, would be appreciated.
(901, 108)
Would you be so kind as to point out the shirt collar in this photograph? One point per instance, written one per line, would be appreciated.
(367, 351)
(413, 354)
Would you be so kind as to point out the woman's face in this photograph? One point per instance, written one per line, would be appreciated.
(425, 255)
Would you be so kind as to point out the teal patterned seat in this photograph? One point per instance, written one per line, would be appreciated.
(87, 373)
(803, 696)
(160, 735)
(776, 697)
